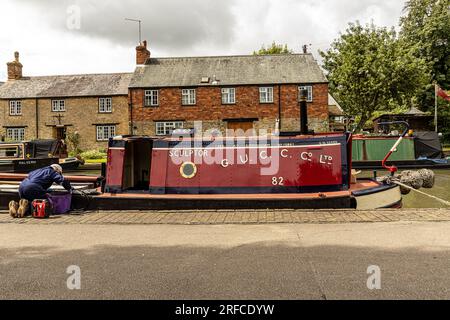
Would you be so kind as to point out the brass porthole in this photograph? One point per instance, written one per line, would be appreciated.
(188, 170)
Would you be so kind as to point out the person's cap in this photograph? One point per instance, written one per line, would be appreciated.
(57, 168)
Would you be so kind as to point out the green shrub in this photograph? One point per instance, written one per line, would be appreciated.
(93, 155)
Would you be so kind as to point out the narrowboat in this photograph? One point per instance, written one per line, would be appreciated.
(26, 156)
(420, 150)
(298, 171)
(188, 173)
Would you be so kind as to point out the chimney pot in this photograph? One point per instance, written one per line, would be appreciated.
(142, 54)
(14, 68)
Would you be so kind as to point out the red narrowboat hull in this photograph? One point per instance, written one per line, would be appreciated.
(229, 166)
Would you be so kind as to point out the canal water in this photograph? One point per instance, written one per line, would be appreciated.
(416, 200)
(441, 190)
(412, 200)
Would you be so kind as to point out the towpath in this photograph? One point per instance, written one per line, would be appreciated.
(237, 217)
(117, 256)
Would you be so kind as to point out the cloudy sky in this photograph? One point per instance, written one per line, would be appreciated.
(91, 36)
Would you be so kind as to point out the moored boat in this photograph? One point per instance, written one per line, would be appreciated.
(26, 156)
(421, 150)
(302, 172)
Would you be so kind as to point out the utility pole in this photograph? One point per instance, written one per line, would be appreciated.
(436, 106)
(140, 30)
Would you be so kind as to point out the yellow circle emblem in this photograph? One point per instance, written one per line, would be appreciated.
(188, 170)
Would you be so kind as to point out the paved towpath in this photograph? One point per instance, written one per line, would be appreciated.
(222, 217)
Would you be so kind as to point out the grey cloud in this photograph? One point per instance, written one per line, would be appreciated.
(171, 25)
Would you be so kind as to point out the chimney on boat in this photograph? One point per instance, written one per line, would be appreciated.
(15, 68)
(142, 53)
(303, 112)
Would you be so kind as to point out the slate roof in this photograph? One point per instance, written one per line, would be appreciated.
(84, 85)
(334, 109)
(417, 112)
(228, 70)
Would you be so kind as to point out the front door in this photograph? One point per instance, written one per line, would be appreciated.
(239, 128)
(59, 133)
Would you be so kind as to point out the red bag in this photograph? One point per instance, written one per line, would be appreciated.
(42, 209)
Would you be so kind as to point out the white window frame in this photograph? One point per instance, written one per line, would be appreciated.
(228, 95)
(58, 105)
(309, 97)
(105, 105)
(266, 94)
(165, 128)
(15, 108)
(188, 97)
(105, 132)
(151, 98)
(15, 134)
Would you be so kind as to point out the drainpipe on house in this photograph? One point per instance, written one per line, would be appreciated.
(37, 117)
(131, 131)
(279, 108)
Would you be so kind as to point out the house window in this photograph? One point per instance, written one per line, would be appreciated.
(105, 105)
(188, 97)
(309, 89)
(58, 105)
(15, 134)
(166, 128)
(15, 108)
(151, 98)
(105, 132)
(228, 96)
(266, 95)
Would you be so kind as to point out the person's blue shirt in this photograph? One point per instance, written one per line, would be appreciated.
(45, 177)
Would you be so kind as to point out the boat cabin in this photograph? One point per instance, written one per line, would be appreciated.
(235, 165)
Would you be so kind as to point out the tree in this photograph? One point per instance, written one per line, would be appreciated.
(74, 143)
(273, 49)
(370, 70)
(425, 27)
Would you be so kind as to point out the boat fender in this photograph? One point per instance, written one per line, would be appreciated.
(412, 178)
(429, 178)
(408, 179)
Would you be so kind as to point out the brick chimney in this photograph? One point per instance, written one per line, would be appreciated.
(15, 68)
(142, 54)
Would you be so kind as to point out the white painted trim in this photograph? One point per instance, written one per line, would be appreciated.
(249, 147)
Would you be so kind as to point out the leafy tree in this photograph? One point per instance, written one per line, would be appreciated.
(371, 70)
(273, 49)
(426, 28)
(74, 143)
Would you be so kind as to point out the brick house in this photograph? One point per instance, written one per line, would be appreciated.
(228, 92)
(94, 105)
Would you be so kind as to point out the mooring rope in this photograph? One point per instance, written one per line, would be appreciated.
(421, 192)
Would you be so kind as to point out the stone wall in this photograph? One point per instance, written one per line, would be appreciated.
(81, 115)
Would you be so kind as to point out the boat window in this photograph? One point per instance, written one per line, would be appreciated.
(9, 152)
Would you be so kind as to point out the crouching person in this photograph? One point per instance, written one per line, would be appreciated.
(35, 187)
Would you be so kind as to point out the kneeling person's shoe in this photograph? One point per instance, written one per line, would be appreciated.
(13, 207)
(23, 208)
